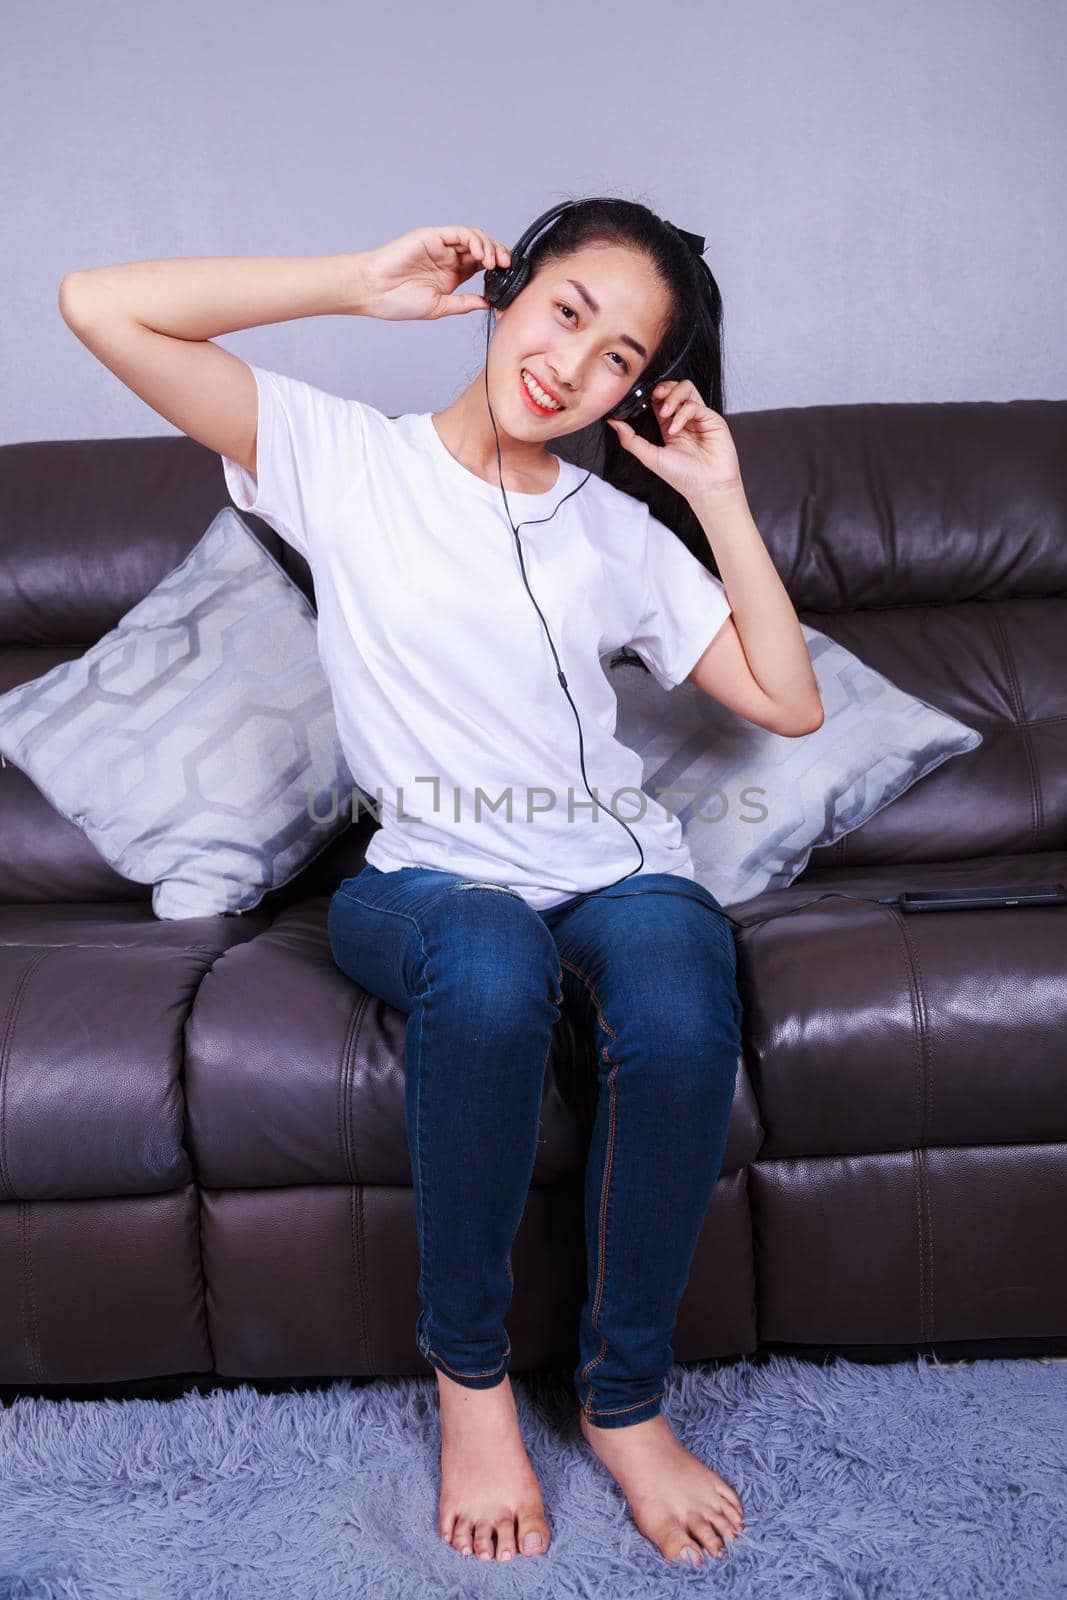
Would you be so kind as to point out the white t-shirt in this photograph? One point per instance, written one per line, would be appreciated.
(448, 705)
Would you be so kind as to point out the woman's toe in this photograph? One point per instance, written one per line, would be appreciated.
(483, 1540)
(708, 1534)
(674, 1539)
(533, 1533)
(505, 1539)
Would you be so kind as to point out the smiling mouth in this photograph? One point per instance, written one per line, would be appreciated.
(534, 404)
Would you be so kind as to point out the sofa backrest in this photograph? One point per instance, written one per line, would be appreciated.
(930, 539)
(927, 538)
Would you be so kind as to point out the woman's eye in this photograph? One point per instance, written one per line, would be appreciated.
(562, 306)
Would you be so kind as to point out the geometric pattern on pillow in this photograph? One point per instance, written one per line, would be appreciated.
(754, 804)
(195, 743)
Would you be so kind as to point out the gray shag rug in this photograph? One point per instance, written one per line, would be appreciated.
(859, 1482)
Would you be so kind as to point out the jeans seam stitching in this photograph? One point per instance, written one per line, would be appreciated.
(420, 1180)
(488, 1373)
(601, 1274)
(616, 1411)
(388, 911)
(419, 1175)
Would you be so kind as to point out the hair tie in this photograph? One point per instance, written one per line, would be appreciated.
(693, 240)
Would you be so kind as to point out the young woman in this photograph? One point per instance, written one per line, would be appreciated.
(468, 582)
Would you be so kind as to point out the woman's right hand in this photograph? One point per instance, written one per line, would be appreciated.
(413, 277)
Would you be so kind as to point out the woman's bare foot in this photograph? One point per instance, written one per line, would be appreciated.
(487, 1483)
(675, 1500)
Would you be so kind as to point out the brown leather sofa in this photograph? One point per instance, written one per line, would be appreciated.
(204, 1173)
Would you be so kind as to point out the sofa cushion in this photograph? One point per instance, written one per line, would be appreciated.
(753, 804)
(871, 1030)
(195, 743)
(95, 1001)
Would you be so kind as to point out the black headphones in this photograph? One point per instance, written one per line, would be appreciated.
(501, 285)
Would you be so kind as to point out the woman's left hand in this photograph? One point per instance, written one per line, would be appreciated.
(698, 455)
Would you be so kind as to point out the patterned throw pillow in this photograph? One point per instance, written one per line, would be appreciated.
(752, 804)
(195, 744)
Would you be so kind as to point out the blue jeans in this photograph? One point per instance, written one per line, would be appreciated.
(481, 976)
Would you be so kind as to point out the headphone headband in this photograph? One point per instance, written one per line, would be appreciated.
(502, 284)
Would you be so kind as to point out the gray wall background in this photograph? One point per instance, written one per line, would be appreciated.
(880, 185)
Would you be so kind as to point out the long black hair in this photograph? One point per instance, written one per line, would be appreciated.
(695, 299)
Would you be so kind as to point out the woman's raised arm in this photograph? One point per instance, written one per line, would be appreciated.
(151, 324)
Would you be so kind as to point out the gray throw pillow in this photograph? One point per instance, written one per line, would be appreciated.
(195, 744)
(752, 804)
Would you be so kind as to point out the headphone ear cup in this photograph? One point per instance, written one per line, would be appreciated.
(494, 285)
(627, 408)
(501, 285)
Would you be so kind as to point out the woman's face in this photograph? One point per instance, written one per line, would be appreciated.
(586, 346)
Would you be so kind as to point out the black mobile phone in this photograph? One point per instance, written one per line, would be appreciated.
(1049, 894)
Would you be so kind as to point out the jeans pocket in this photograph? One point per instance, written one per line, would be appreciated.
(368, 945)
(365, 872)
(663, 883)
